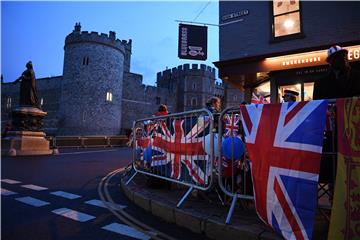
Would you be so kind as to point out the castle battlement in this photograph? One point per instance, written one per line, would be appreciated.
(197, 69)
(78, 36)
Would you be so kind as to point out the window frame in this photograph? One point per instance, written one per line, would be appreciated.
(297, 35)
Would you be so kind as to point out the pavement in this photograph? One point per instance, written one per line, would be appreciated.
(203, 213)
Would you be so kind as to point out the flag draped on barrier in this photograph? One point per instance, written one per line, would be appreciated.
(345, 217)
(176, 149)
(284, 142)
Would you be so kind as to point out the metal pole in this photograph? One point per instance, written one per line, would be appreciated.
(184, 197)
(231, 210)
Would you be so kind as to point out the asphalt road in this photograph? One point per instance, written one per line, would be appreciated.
(56, 197)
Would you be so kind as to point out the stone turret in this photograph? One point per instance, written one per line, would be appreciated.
(92, 83)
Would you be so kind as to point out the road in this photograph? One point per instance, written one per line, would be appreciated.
(62, 197)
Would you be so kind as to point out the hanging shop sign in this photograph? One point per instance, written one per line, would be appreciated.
(192, 42)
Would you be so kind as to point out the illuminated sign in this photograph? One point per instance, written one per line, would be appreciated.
(307, 59)
(235, 15)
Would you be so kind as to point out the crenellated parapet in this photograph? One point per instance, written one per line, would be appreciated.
(78, 36)
(187, 69)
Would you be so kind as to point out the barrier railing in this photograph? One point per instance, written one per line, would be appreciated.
(233, 167)
(177, 147)
(234, 176)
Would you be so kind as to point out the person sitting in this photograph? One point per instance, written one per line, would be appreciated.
(342, 81)
(290, 96)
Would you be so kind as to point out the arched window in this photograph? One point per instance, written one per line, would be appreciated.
(8, 102)
(109, 96)
(193, 101)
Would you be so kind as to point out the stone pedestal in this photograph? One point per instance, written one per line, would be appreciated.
(25, 137)
(25, 143)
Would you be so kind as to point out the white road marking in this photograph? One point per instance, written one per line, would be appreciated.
(72, 214)
(32, 201)
(99, 203)
(34, 187)
(126, 230)
(10, 181)
(95, 151)
(65, 195)
(6, 192)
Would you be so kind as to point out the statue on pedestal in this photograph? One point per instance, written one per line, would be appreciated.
(28, 91)
(25, 136)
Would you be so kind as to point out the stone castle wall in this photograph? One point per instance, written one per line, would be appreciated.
(97, 64)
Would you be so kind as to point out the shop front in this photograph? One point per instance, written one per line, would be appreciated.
(271, 76)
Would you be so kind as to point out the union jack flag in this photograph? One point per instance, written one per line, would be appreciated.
(284, 142)
(181, 152)
(231, 125)
(258, 99)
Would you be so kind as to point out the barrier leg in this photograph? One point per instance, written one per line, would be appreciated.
(231, 210)
(131, 178)
(184, 197)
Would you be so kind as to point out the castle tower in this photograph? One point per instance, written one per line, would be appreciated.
(92, 83)
(191, 87)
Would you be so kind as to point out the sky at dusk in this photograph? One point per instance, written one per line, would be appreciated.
(36, 31)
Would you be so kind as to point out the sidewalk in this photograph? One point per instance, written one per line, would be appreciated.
(203, 216)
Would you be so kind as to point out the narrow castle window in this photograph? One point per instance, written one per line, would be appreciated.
(84, 60)
(109, 96)
(8, 103)
(42, 101)
(194, 86)
(234, 97)
(193, 101)
(157, 100)
(87, 60)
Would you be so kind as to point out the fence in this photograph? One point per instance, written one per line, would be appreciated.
(199, 140)
(177, 147)
(87, 141)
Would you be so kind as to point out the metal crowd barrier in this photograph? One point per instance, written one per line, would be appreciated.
(233, 167)
(178, 148)
(234, 176)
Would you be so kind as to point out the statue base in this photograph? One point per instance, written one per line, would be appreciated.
(25, 143)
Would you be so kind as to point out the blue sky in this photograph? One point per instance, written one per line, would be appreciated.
(36, 31)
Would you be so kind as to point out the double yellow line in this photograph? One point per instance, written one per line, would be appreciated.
(123, 216)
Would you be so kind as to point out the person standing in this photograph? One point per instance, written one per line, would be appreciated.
(342, 81)
(290, 96)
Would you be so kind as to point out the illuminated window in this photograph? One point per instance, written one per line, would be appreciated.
(286, 19)
(109, 96)
(41, 101)
(8, 103)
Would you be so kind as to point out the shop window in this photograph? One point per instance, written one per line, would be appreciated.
(109, 96)
(308, 91)
(286, 18)
(264, 91)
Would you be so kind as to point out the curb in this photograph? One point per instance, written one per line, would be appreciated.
(212, 228)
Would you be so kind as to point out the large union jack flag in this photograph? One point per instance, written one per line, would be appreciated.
(284, 142)
(178, 150)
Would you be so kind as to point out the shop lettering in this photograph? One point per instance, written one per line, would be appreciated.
(354, 54)
(235, 15)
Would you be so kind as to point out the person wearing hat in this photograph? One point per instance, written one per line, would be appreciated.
(290, 96)
(342, 81)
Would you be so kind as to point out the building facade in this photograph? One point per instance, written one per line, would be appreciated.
(270, 46)
(99, 95)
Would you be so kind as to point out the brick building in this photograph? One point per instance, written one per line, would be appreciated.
(270, 46)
